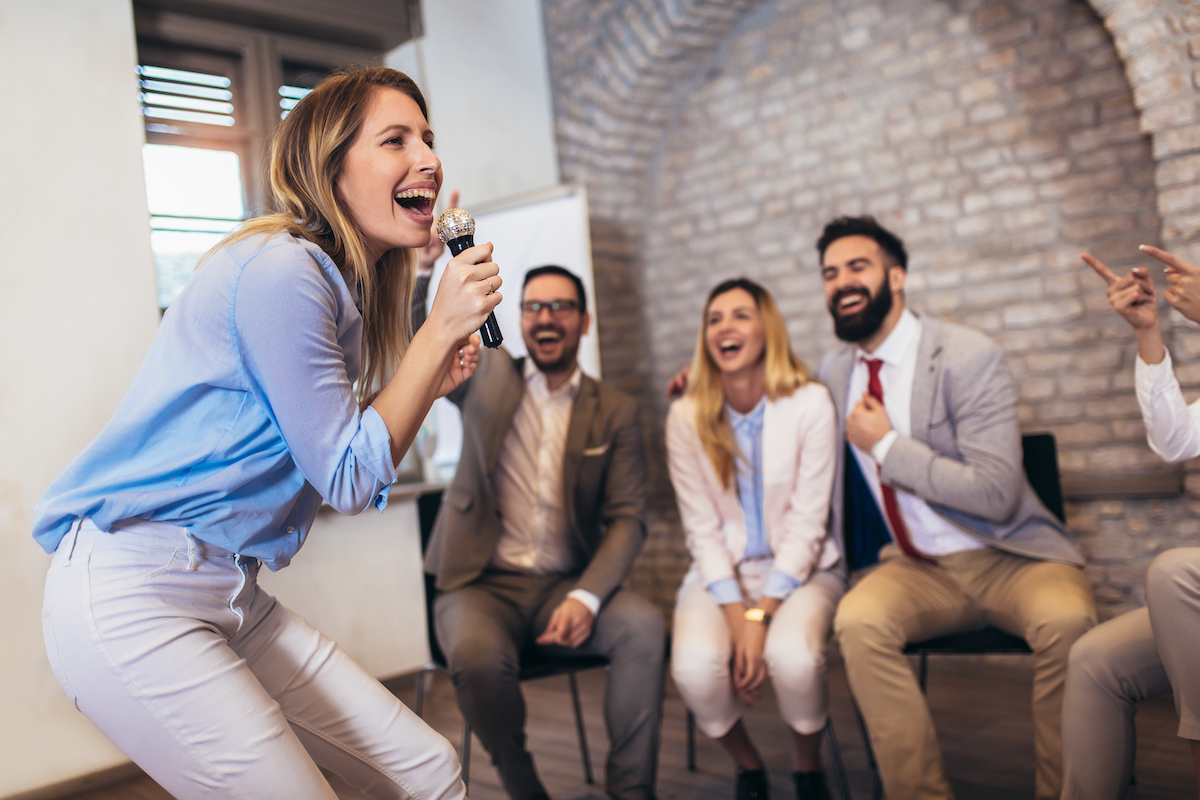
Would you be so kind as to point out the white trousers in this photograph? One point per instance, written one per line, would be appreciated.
(701, 649)
(215, 689)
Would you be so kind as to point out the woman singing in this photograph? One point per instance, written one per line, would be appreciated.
(751, 452)
(281, 377)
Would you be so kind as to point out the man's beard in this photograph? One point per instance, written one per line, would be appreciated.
(863, 324)
(563, 361)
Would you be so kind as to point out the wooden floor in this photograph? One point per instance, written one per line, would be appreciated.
(981, 710)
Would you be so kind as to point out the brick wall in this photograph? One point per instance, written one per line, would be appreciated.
(998, 138)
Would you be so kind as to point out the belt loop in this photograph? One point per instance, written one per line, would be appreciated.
(74, 534)
(193, 556)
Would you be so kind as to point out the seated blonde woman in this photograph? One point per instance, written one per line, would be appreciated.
(751, 448)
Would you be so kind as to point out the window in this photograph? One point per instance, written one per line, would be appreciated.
(211, 95)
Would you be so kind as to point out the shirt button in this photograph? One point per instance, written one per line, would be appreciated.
(290, 529)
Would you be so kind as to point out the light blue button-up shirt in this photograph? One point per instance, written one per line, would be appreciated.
(748, 430)
(242, 417)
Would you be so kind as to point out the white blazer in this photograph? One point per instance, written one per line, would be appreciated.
(798, 454)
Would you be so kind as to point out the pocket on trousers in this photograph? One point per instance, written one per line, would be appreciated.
(53, 656)
(114, 567)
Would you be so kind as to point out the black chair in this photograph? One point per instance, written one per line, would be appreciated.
(534, 663)
(1040, 456)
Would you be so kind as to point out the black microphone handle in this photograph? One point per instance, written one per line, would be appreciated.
(490, 332)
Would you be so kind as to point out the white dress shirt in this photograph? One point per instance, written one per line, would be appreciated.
(929, 532)
(529, 485)
(1172, 426)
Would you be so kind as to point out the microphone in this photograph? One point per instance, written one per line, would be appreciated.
(456, 228)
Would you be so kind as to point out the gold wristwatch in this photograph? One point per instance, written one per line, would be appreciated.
(757, 615)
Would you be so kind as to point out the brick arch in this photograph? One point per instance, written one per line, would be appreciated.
(1157, 40)
(619, 67)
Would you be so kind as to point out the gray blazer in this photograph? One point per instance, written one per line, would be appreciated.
(604, 479)
(964, 455)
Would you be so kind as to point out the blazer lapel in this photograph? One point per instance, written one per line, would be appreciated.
(926, 378)
(510, 389)
(583, 411)
(841, 366)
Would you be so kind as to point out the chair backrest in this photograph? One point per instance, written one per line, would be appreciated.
(1041, 467)
(428, 504)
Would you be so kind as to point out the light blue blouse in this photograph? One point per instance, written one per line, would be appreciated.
(242, 416)
(748, 430)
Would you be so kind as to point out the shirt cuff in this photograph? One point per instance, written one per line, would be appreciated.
(880, 449)
(587, 598)
(780, 585)
(725, 591)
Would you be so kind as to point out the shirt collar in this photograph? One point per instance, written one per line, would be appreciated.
(900, 342)
(753, 418)
(535, 377)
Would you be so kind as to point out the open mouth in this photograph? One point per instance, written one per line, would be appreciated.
(547, 338)
(729, 348)
(851, 302)
(418, 202)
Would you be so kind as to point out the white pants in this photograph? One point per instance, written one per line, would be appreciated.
(701, 649)
(215, 689)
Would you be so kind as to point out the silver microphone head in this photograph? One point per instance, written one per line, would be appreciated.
(453, 223)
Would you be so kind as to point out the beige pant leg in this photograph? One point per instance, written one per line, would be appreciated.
(900, 601)
(1173, 597)
(795, 652)
(1051, 605)
(1112, 667)
(701, 647)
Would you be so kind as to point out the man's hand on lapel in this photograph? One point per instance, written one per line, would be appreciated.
(570, 625)
(867, 423)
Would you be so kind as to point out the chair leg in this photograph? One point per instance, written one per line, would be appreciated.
(691, 741)
(835, 756)
(924, 670)
(466, 755)
(877, 784)
(419, 698)
(583, 747)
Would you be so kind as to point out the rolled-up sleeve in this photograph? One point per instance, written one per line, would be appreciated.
(292, 328)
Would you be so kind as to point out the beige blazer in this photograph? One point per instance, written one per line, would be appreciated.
(604, 479)
(799, 456)
(964, 455)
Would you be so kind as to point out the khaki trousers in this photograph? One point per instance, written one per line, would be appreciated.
(901, 600)
(1129, 658)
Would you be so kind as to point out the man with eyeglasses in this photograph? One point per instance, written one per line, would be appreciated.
(536, 533)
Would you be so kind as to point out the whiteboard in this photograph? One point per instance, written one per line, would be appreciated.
(549, 226)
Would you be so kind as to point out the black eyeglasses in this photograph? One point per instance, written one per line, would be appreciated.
(557, 308)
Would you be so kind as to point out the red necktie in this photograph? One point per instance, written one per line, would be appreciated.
(890, 506)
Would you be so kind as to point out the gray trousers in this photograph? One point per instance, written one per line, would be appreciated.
(1129, 658)
(482, 629)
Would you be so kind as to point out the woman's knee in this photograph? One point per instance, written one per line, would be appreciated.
(697, 666)
(795, 663)
(1173, 577)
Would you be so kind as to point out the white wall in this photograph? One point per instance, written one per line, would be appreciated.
(77, 312)
(482, 66)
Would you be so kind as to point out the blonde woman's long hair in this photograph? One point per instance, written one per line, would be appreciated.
(307, 154)
(784, 374)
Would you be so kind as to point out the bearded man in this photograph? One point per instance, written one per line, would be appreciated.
(536, 533)
(943, 533)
